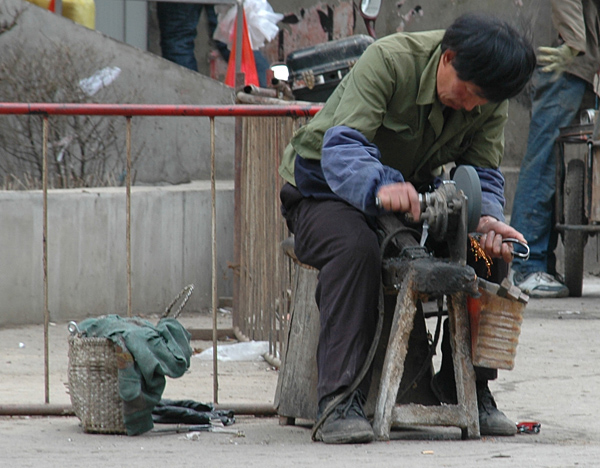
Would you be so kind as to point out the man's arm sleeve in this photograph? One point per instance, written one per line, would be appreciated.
(492, 192)
(353, 170)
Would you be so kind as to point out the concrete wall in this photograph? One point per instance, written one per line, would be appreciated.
(171, 150)
(171, 247)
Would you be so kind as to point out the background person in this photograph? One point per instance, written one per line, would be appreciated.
(178, 26)
(566, 72)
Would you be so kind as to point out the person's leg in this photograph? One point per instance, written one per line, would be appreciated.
(336, 238)
(178, 23)
(555, 104)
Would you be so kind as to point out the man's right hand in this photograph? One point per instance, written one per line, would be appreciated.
(402, 197)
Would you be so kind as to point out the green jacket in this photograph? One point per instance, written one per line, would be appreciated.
(390, 97)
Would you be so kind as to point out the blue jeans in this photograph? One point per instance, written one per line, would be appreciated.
(178, 23)
(555, 104)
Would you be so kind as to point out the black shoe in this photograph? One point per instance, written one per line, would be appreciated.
(347, 423)
(492, 421)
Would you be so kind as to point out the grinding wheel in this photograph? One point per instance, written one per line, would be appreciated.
(467, 180)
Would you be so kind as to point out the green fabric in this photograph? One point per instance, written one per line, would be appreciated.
(390, 97)
(146, 354)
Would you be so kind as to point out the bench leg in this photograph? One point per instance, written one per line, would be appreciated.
(393, 365)
(464, 373)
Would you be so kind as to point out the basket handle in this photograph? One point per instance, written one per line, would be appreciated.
(73, 328)
(187, 291)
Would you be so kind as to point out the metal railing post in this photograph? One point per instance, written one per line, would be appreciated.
(215, 300)
(45, 260)
(128, 215)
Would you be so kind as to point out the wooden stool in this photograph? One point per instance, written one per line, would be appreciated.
(419, 281)
(296, 396)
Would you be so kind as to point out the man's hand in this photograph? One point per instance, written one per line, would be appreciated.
(494, 232)
(556, 59)
(402, 197)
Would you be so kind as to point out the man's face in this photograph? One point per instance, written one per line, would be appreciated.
(452, 91)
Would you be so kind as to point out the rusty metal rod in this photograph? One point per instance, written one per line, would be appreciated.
(258, 91)
(215, 297)
(128, 216)
(36, 410)
(45, 261)
(577, 227)
(251, 409)
(183, 110)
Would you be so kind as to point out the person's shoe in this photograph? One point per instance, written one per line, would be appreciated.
(347, 423)
(540, 285)
(492, 421)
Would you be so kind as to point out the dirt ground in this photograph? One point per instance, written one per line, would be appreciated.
(555, 381)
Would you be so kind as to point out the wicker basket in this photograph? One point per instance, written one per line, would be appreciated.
(93, 375)
(94, 385)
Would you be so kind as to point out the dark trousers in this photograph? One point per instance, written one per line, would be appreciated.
(341, 242)
(178, 23)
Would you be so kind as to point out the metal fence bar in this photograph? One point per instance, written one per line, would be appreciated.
(128, 216)
(269, 319)
(213, 192)
(45, 259)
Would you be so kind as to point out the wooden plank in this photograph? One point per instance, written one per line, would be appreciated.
(445, 415)
(393, 365)
(296, 395)
(464, 373)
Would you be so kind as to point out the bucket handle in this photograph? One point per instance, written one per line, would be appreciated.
(186, 292)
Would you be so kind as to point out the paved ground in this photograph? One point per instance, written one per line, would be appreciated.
(555, 381)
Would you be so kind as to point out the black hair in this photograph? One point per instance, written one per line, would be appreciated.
(491, 54)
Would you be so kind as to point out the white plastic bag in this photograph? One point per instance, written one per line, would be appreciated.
(243, 351)
(260, 17)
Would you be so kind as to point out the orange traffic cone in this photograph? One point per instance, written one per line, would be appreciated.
(248, 66)
(52, 6)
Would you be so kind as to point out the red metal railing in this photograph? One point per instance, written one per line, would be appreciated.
(137, 110)
(140, 110)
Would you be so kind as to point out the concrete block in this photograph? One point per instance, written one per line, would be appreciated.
(171, 247)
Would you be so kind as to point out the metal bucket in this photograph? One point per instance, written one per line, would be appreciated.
(495, 329)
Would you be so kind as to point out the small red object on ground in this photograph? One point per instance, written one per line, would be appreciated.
(529, 427)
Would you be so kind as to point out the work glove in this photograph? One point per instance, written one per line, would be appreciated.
(556, 59)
